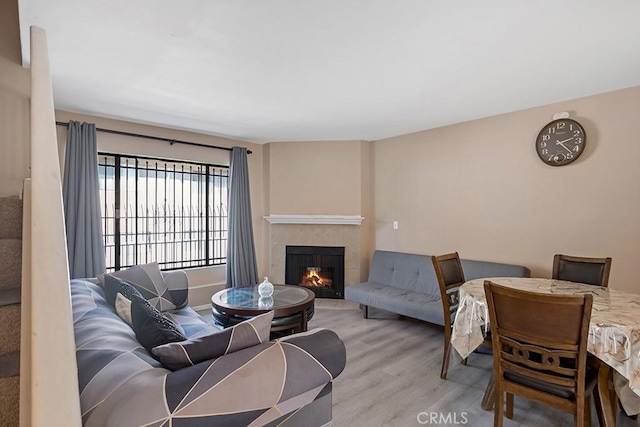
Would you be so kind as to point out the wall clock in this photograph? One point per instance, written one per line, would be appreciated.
(561, 142)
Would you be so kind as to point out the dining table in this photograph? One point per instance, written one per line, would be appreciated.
(614, 329)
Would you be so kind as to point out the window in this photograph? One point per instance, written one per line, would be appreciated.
(171, 212)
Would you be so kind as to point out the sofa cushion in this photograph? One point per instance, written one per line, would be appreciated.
(192, 323)
(411, 272)
(397, 300)
(152, 328)
(148, 280)
(251, 332)
(485, 269)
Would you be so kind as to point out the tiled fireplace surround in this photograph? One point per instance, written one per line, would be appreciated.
(319, 233)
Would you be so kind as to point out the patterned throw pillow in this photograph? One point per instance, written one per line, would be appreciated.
(251, 332)
(123, 308)
(148, 280)
(153, 328)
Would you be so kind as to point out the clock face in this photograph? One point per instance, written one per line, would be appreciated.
(561, 142)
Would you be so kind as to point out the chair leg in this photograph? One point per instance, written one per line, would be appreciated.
(579, 416)
(603, 398)
(587, 411)
(445, 359)
(365, 311)
(498, 413)
(510, 406)
(489, 394)
(613, 396)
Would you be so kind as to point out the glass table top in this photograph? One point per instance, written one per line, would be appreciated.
(248, 297)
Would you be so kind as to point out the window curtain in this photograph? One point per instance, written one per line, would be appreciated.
(80, 191)
(241, 252)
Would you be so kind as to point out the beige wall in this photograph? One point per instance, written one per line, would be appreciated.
(202, 281)
(15, 92)
(316, 178)
(479, 188)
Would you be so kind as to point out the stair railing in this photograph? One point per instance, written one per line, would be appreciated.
(49, 369)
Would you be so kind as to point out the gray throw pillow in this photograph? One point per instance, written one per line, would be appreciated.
(251, 332)
(113, 286)
(148, 280)
(153, 328)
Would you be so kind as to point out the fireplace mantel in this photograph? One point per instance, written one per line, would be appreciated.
(315, 219)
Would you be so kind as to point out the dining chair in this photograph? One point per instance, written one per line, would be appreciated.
(592, 271)
(540, 350)
(450, 277)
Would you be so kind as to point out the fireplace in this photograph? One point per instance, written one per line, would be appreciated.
(319, 268)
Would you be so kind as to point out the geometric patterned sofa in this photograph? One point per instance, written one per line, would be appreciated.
(278, 383)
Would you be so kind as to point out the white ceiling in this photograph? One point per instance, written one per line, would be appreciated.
(294, 70)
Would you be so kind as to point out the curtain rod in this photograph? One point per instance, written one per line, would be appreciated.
(155, 138)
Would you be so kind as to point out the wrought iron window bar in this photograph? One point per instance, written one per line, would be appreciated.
(171, 212)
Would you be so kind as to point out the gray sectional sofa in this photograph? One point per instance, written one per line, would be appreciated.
(287, 382)
(406, 284)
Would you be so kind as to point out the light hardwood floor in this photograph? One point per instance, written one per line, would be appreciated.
(393, 376)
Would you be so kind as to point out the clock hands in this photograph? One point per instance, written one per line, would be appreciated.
(561, 143)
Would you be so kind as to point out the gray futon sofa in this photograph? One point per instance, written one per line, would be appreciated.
(406, 284)
(285, 383)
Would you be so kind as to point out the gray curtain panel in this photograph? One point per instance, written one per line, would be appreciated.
(80, 190)
(242, 268)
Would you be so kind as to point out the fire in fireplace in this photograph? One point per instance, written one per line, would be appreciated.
(320, 268)
(314, 277)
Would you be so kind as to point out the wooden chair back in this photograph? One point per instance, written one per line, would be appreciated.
(592, 271)
(539, 347)
(450, 276)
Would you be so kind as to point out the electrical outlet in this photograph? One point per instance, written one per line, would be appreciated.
(395, 225)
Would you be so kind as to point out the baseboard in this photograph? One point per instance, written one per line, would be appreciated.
(200, 295)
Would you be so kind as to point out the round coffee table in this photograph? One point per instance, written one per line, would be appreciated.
(293, 307)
